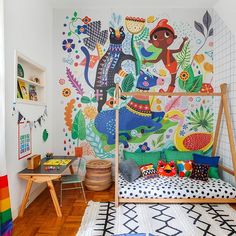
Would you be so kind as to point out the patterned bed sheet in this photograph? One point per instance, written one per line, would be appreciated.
(175, 187)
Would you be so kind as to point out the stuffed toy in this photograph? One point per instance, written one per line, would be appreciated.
(166, 169)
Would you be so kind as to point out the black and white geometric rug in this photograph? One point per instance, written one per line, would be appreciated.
(102, 219)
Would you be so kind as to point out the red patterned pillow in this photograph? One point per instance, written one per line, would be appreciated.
(166, 168)
(148, 171)
(200, 172)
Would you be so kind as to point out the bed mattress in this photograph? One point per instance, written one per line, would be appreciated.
(175, 187)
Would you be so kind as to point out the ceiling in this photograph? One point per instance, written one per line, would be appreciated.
(132, 3)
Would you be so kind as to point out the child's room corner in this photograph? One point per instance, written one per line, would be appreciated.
(117, 118)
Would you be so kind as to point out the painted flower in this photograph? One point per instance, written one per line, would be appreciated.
(66, 92)
(86, 20)
(184, 75)
(61, 81)
(144, 147)
(151, 19)
(90, 112)
(82, 29)
(182, 133)
(199, 58)
(134, 24)
(68, 45)
(110, 102)
(208, 67)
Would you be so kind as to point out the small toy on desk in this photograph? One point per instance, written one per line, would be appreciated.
(49, 155)
(48, 168)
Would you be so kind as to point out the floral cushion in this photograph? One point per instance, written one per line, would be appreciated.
(184, 168)
(199, 172)
(148, 171)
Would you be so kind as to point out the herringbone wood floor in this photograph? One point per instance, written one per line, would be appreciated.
(40, 217)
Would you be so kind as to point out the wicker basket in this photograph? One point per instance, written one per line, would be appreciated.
(98, 175)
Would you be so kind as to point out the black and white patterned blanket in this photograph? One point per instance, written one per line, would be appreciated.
(175, 187)
(102, 219)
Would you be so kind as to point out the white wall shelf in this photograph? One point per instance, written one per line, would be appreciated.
(26, 89)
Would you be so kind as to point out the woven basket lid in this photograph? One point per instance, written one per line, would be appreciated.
(98, 164)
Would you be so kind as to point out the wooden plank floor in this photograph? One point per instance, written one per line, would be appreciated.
(40, 217)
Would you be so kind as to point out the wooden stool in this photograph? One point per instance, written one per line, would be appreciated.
(98, 175)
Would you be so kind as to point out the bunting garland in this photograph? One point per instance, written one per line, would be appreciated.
(32, 123)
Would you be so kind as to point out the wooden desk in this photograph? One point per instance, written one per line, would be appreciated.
(40, 175)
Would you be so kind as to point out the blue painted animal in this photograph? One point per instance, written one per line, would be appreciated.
(108, 66)
(137, 113)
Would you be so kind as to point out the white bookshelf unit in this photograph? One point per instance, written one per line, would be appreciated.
(29, 81)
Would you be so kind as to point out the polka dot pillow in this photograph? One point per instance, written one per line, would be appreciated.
(184, 168)
(148, 171)
(200, 172)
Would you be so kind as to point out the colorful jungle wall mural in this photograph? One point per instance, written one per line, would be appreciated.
(155, 52)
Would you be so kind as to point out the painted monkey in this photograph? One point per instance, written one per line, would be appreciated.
(162, 36)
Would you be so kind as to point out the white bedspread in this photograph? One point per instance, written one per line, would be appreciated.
(175, 187)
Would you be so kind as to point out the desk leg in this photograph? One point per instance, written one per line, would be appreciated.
(71, 169)
(54, 198)
(26, 197)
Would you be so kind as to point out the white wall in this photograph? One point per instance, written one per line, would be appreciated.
(2, 95)
(28, 28)
(226, 10)
(225, 72)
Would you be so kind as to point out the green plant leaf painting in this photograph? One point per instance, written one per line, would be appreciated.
(193, 83)
(128, 83)
(45, 135)
(78, 128)
(111, 91)
(85, 99)
(183, 58)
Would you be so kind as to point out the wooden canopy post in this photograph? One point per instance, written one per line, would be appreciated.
(117, 98)
(228, 119)
(217, 129)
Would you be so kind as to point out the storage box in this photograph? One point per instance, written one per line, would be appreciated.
(33, 162)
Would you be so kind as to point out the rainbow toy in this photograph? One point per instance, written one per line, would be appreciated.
(5, 208)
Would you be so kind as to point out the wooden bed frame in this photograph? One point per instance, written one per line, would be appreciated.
(223, 108)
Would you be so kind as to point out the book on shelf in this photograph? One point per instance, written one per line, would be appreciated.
(33, 93)
(24, 90)
(19, 95)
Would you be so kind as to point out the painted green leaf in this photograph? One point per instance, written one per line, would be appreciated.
(183, 58)
(75, 14)
(85, 99)
(45, 135)
(111, 91)
(197, 84)
(128, 83)
(94, 99)
(78, 128)
(193, 84)
(73, 18)
(160, 139)
(69, 34)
